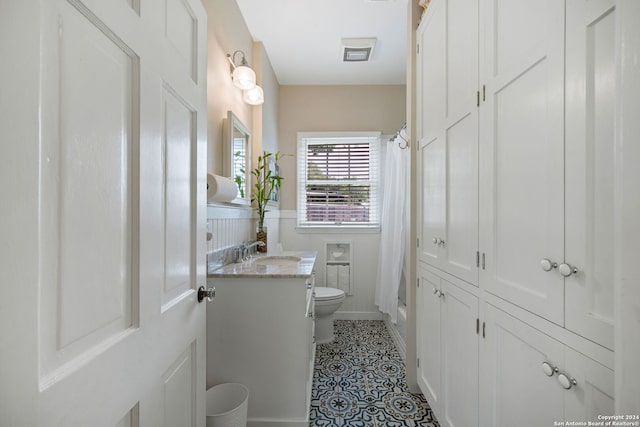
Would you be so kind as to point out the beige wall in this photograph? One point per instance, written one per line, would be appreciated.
(227, 32)
(267, 114)
(333, 108)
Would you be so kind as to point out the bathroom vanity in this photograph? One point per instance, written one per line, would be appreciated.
(260, 332)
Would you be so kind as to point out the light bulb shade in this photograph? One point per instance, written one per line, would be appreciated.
(244, 77)
(254, 96)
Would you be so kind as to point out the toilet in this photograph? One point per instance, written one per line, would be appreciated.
(327, 301)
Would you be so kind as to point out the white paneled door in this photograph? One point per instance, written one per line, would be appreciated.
(590, 168)
(428, 338)
(433, 200)
(522, 154)
(516, 391)
(109, 143)
(460, 329)
(448, 137)
(461, 134)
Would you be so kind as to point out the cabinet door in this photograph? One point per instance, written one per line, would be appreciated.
(459, 357)
(461, 133)
(522, 152)
(590, 168)
(432, 150)
(515, 389)
(430, 78)
(593, 393)
(428, 337)
(432, 190)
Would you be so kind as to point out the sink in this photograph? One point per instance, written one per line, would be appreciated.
(277, 260)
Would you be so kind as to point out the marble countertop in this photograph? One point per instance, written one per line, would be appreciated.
(252, 269)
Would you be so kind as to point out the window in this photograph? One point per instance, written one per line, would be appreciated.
(338, 176)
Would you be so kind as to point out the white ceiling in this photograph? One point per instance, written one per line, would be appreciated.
(303, 39)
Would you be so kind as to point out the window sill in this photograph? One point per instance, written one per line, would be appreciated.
(338, 230)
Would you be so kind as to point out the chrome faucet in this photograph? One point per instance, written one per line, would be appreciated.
(247, 248)
(243, 250)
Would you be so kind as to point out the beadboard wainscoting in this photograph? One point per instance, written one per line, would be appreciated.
(231, 225)
(360, 305)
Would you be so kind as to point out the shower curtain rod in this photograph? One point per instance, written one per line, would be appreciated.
(394, 137)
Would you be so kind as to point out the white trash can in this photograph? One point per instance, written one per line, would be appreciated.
(227, 405)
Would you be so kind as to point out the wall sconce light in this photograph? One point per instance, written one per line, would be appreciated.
(254, 96)
(244, 78)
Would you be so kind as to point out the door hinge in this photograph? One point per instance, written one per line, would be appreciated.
(484, 93)
(477, 326)
(483, 330)
(418, 362)
(418, 48)
(477, 98)
(478, 259)
(483, 261)
(418, 282)
(417, 242)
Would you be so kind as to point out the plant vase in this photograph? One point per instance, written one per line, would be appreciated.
(261, 236)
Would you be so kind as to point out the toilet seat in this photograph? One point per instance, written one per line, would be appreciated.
(328, 294)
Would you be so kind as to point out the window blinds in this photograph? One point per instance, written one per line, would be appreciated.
(338, 180)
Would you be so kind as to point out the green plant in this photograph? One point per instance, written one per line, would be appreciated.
(238, 163)
(266, 183)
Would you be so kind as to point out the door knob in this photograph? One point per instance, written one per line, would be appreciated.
(547, 264)
(566, 270)
(566, 382)
(549, 369)
(209, 294)
(435, 291)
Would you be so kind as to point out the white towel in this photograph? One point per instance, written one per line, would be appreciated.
(332, 276)
(344, 279)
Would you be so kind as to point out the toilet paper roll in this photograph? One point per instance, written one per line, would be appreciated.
(332, 276)
(221, 189)
(344, 278)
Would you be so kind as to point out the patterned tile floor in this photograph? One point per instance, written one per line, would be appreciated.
(359, 380)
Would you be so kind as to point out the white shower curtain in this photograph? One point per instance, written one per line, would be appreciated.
(392, 236)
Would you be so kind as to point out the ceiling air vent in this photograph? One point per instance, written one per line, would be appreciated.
(357, 50)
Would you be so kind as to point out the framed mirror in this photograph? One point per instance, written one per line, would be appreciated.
(237, 155)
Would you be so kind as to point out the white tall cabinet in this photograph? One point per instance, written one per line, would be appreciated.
(515, 151)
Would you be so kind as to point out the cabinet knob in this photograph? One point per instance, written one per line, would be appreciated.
(547, 264)
(437, 241)
(566, 270)
(549, 369)
(441, 243)
(565, 381)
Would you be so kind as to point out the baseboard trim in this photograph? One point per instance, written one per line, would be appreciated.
(257, 422)
(358, 315)
(397, 337)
